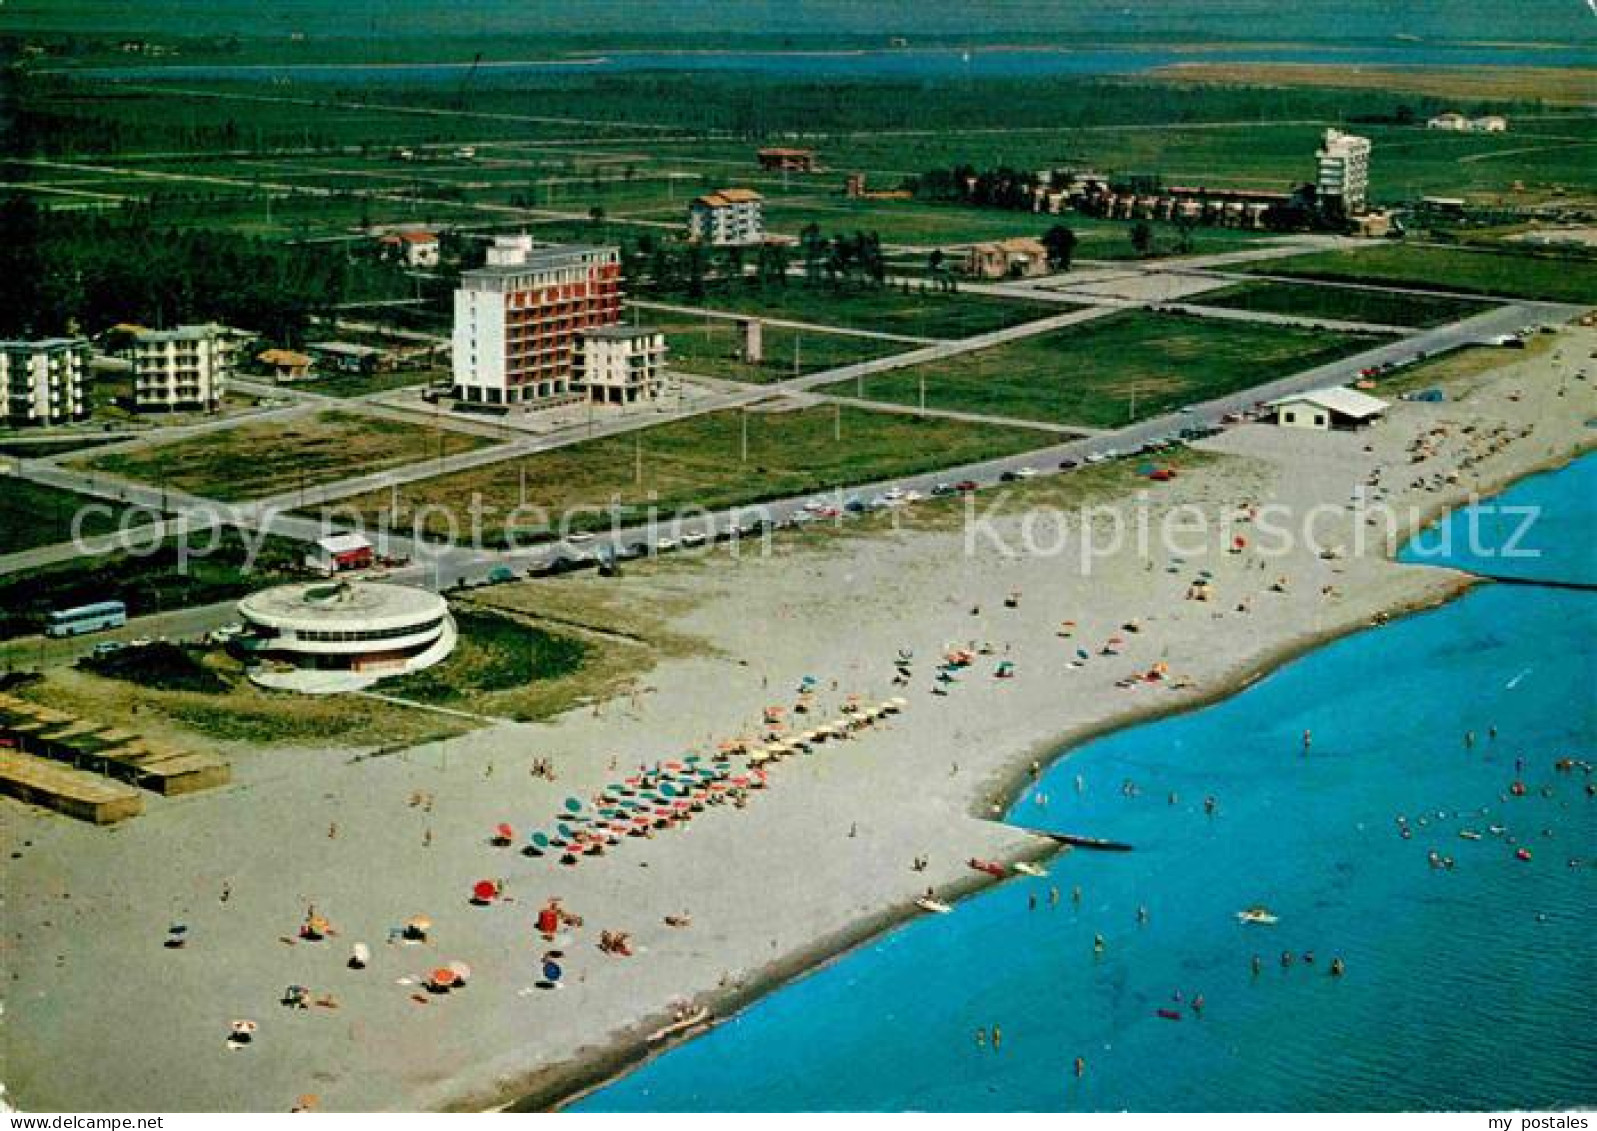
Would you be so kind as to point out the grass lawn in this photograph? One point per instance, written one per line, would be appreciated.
(358, 385)
(1088, 374)
(922, 224)
(268, 457)
(215, 701)
(696, 462)
(1428, 267)
(1345, 304)
(917, 313)
(34, 515)
(1455, 370)
(710, 347)
(148, 582)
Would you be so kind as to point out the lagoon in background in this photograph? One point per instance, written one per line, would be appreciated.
(940, 63)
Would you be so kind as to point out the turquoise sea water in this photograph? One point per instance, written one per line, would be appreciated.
(1468, 987)
(1542, 529)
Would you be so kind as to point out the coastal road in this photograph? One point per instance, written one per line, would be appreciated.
(457, 563)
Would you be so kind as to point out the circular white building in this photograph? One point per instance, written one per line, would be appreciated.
(329, 636)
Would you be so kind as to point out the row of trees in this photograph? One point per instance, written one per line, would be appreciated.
(67, 272)
(662, 265)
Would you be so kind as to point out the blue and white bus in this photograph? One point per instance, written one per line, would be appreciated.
(87, 618)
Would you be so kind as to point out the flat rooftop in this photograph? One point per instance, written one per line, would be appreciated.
(357, 604)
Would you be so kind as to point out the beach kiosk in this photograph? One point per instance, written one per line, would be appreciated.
(1342, 409)
(339, 552)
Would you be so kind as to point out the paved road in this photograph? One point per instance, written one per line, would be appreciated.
(455, 563)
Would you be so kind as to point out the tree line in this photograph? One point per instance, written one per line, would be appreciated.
(63, 273)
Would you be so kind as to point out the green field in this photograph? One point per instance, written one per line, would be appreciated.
(34, 515)
(913, 311)
(1105, 373)
(695, 462)
(710, 347)
(1344, 304)
(1550, 277)
(264, 458)
(925, 225)
(157, 581)
(495, 656)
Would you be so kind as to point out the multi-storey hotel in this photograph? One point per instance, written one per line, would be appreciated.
(1344, 170)
(185, 369)
(519, 320)
(42, 382)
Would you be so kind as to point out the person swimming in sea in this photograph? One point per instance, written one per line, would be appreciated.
(1337, 967)
(1081, 1067)
(1286, 959)
(1098, 944)
(1258, 965)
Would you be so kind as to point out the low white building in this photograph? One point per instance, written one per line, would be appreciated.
(41, 382)
(184, 369)
(414, 248)
(338, 552)
(621, 365)
(1453, 120)
(1326, 409)
(332, 636)
(730, 217)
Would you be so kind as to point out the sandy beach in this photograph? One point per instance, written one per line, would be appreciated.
(817, 862)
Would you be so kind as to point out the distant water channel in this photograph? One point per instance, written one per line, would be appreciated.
(904, 63)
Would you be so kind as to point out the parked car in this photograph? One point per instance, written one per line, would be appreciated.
(1068, 465)
(965, 486)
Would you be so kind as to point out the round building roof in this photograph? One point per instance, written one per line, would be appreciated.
(349, 605)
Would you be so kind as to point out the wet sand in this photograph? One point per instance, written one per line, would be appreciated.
(816, 863)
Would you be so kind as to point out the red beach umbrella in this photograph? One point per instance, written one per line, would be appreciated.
(484, 891)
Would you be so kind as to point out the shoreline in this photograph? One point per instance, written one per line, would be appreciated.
(557, 1090)
(825, 862)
